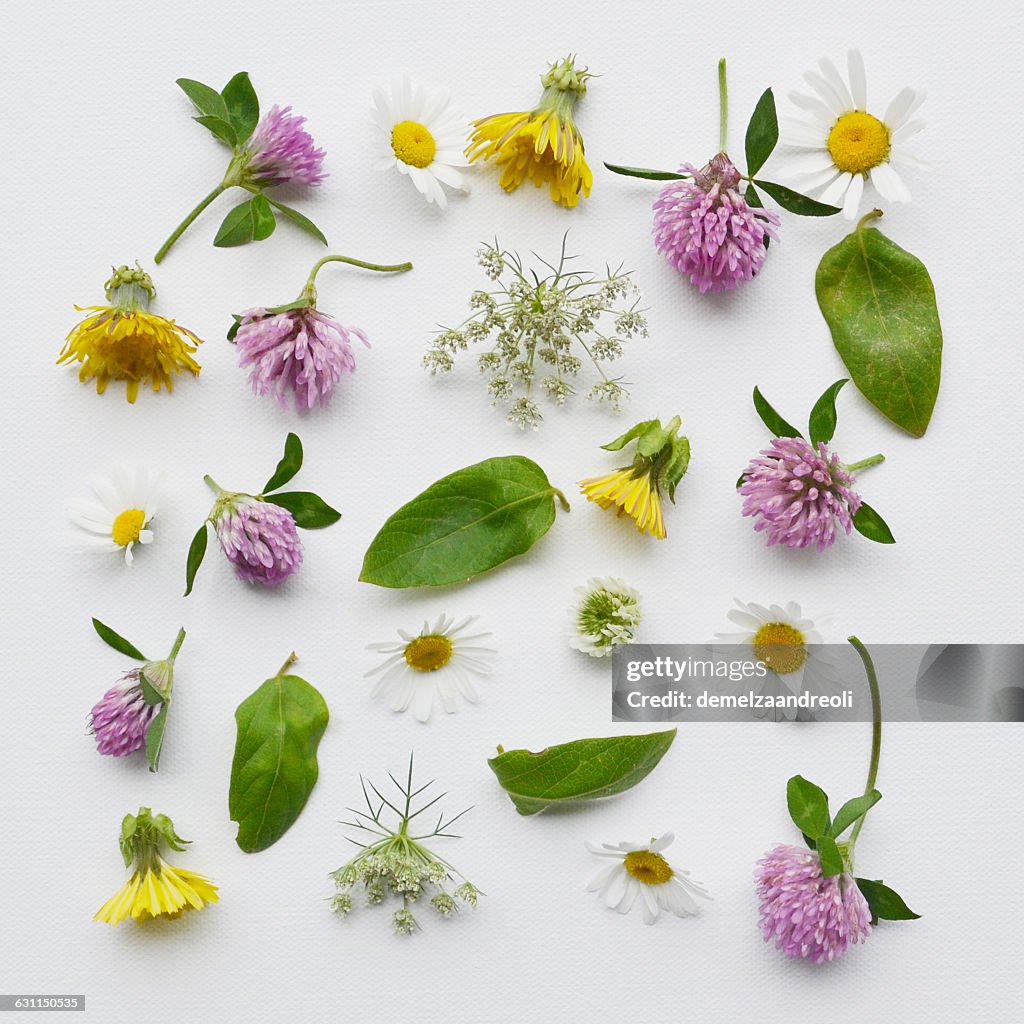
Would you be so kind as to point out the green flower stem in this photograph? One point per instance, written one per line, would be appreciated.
(186, 223)
(309, 291)
(213, 485)
(868, 218)
(876, 730)
(288, 662)
(178, 641)
(723, 107)
(854, 467)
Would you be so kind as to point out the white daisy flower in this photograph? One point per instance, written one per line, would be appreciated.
(850, 145)
(787, 644)
(642, 872)
(440, 659)
(422, 138)
(606, 613)
(123, 506)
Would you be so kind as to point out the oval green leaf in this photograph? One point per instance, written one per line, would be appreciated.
(464, 524)
(274, 768)
(645, 172)
(309, 510)
(219, 127)
(237, 227)
(879, 304)
(243, 107)
(290, 464)
(795, 202)
(299, 219)
(263, 222)
(808, 807)
(868, 522)
(196, 553)
(823, 416)
(204, 98)
(762, 132)
(830, 857)
(118, 642)
(771, 419)
(852, 810)
(580, 770)
(886, 904)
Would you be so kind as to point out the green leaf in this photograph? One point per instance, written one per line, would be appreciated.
(149, 692)
(300, 219)
(290, 464)
(644, 172)
(742, 477)
(879, 304)
(118, 642)
(869, 523)
(233, 329)
(830, 857)
(243, 107)
(753, 198)
(580, 770)
(219, 127)
(795, 202)
(204, 98)
(823, 415)
(762, 133)
(885, 903)
(772, 420)
(263, 221)
(155, 738)
(196, 552)
(274, 768)
(852, 810)
(464, 524)
(808, 807)
(238, 226)
(309, 510)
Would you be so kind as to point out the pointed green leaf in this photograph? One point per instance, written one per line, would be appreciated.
(233, 329)
(771, 419)
(830, 857)
(886, 904)
(580, 770)
(852, 810)
(808, 807)
(204, 98)
(274, 768)
(823, 415)
(309, 510)
(155, 738)
(238, 226)
(243, 108)
(290, 464)
(196, 552)
(762, 132)
(118, 642)
(644, 172)
(869, 523)
(753, 198)
(263, 221)
(219, 127)
(879, 304)
(299, 219)
(150, 694)
(464, 524)
(795, 202)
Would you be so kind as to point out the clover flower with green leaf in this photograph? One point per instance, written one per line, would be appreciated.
(393, 862)
(540, 329)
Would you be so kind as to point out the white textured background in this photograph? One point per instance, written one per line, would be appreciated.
(102, 160)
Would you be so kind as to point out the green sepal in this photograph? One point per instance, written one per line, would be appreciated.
(762, 132)
(290, 464)
(886, 904)
(771, 419)
(832, 862)
(808, 807)
(635, 431)
(155, 738)
(299, 219)
(822, 424)
(196, 553)
(853, 810)
(219, 127)
(793, 201)
(149, 692)
(243, 108)
(309, 510)
(677, 466)
(644, 172)
(118, 642)
(868, 523)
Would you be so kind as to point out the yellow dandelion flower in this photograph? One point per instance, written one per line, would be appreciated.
(155, 889)
(543, 144)
(124, 341)
(661, 457)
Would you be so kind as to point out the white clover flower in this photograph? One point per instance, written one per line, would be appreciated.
(606, 613)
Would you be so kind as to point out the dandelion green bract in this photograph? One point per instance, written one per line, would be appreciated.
(464, 524)
(580, 770)
(275, 767)
(879, 303)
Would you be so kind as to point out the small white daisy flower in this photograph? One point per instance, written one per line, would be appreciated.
(851, 146)
(787, 644)
(606, 613)
(641, 872)
(123, 506)
(439, 658)
(423, 138)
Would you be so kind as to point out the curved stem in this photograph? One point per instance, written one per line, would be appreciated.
(183, 226)
(868, 218)
(288, 662)
(213, 485)
(853, 467)
(179, 640)
(383, 267)
(876, 728)
(723, 107)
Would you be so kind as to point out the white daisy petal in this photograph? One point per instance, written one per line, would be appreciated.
(858, 79)
(832, 76)
(908, 130)
(128, 488)
(837, 190)
(853, 195)
(902, 105)
(889, 184)
(828, 94)
(815, 107)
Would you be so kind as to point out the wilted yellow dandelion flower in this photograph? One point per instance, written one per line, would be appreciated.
(124, 341)
(155, 889)
(543, 144)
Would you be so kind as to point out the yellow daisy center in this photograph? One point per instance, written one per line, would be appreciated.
(780, 646)
(648, 867)
(413, 144)
(429, 653)
(127, 526)
(858, 142)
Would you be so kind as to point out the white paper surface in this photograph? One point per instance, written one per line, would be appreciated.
(102, 160)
